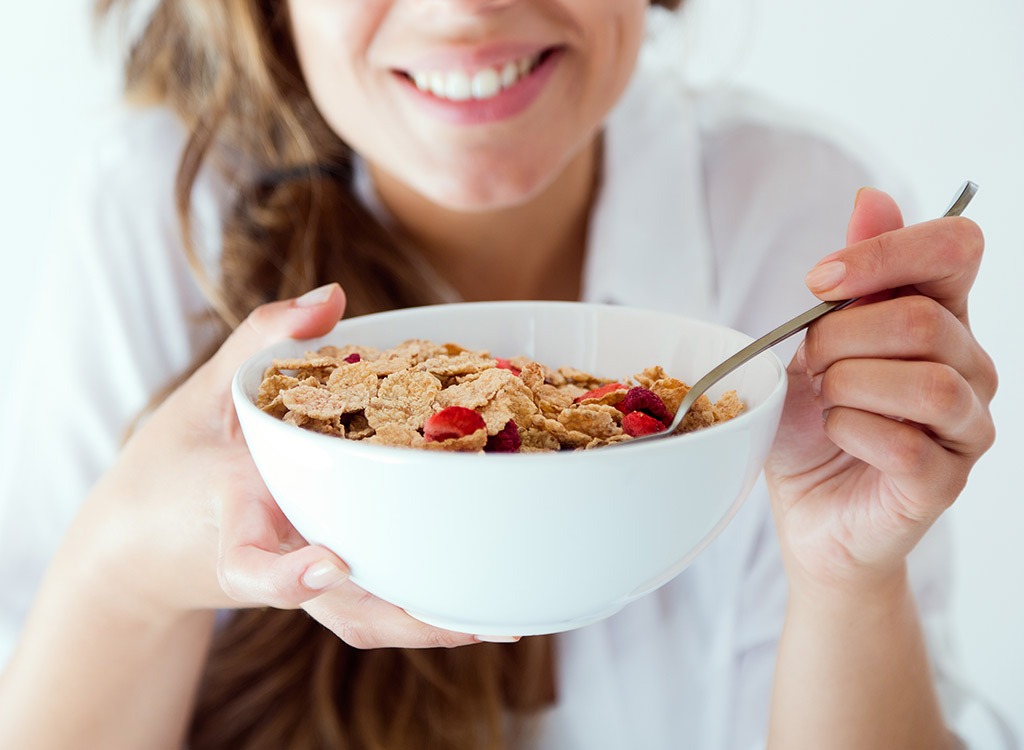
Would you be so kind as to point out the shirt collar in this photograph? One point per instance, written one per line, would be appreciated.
(648, 242)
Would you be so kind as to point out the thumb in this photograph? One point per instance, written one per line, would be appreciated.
(874, 213)
(313, 314)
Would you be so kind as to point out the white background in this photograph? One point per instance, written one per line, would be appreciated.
(936, 87)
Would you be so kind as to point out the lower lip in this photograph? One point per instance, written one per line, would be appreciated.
(507, 104)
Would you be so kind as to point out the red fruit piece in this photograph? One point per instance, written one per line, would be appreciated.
(504, 364)
(604, 390)
(452, 422)
(648, 402)
(505, 441)
(353, 358)
(637, 424)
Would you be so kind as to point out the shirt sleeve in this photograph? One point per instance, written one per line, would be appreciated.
(109, 327)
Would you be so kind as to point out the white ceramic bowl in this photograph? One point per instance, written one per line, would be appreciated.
(522, 544)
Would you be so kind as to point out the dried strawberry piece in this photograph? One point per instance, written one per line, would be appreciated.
(504, 364)
(505, 441)
(637, 424)
(648, 402)
(604, 390)
(452, 422)
(353, 358)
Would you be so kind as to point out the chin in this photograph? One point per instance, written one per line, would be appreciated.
(492, 192)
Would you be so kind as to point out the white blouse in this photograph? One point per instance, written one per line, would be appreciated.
(711, 205)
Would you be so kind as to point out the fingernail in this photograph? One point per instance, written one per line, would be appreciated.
(497, 638)
(825, 276)
(816, 384)
(862, 192)
(322, 574)
(316, 296)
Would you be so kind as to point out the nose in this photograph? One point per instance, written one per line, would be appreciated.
(459, 18)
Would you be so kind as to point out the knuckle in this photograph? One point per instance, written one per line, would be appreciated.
(283, 595)
(988, 434)
(872, 258)
(436, 638)
(988, 376)
(944, 390)
(228, 579)
(965, 239)
(924, 319)
(355, 636)
(353, 633)
(256, 321)
(261, 325)
(838, 380)
(268, 590)
(909, 451)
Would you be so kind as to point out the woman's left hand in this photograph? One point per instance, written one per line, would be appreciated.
(888, 403)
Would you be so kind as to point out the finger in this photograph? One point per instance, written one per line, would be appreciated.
(365, 621)
(256, 563)
(907, 328)
(926, 477)
(874, 213)
(938, 259)
(312, 314)
(931, 395)
(254, 576)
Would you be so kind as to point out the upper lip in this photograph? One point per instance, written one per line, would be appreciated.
(471, 58)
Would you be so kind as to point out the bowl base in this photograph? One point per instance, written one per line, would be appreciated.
(504, 630)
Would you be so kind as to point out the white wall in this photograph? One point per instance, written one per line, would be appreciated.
(935, 86)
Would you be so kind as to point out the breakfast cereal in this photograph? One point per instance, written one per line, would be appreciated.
(445, 397)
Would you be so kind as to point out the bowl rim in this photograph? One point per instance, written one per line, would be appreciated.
(390, 453)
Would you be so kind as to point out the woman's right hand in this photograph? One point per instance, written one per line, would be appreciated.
(186, 506)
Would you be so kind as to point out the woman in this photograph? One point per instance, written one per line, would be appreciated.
(419, 152)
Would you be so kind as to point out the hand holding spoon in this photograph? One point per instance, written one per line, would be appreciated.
(783, 332)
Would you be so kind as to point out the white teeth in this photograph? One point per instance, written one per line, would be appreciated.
(437, 86)
(485, 83)
(457, 86)
(509, 74)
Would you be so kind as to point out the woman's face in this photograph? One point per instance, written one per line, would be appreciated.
(474, 104)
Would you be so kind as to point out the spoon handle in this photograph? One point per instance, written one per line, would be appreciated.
(751, 350)
(787, 329)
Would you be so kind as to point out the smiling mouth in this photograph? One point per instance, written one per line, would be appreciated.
(479, 84)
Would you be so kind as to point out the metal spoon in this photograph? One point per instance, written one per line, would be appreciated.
(783, 332)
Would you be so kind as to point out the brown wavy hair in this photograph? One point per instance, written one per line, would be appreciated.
(278, 680)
